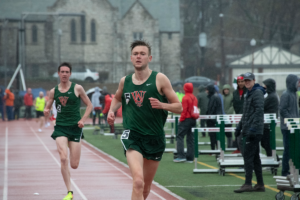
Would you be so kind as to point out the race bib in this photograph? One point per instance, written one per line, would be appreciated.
(125, 134)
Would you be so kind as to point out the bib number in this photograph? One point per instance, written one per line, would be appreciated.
(125, 134)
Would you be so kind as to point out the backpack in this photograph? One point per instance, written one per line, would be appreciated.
(194, 111)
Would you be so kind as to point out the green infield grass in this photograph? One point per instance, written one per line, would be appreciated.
(179, 177)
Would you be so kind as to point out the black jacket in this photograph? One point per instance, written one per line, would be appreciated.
(202, 100)
(253, 116)
(288, 101)
(214, 106)
(238, 102)
(271, 101)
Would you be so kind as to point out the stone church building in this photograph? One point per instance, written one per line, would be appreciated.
(99, 40)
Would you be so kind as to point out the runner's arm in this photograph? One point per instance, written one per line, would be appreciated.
(86, 101)
(49, 102)
(165, 86)
(116, 103)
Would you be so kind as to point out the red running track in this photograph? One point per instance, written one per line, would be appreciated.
(30, 169)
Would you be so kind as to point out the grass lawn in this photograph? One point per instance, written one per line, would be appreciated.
(179, 177)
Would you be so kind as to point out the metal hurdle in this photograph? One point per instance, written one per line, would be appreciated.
(291, 182)
(233, 160)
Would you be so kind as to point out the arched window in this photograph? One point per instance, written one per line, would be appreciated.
(73, 30)
(93, 30)
(34, 33)
(82, 21)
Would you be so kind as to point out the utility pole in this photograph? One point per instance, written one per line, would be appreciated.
(203, 31)
(223, 67)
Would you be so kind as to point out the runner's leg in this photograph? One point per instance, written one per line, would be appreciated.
(62, 147)
(150, 168)
(75, 152)
(135, 162)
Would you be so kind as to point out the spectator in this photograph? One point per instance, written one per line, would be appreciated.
(2, 104)
(221, 97)
(107, 102)
(214, 107)
(238, 102)
(251, 126)
(228, 108)
(28, 102)
(9, 102)
(40, 103)
(288, 109)
(185, 126)
(202, 104)
(18, 103)
(270, 106)
(179, 93)
(96, 105)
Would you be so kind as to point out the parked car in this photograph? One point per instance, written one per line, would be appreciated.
(83, 74)
(200, 80)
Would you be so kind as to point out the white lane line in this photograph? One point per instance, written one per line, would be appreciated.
(5, 165)
(193, 186)
(74, 184)
(161, 187)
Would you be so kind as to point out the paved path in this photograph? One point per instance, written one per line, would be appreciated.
(30, 169)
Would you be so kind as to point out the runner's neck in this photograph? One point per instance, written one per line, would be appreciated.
(64, 86)
(142, 76)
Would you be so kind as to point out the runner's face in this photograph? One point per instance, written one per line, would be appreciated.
(64, 74)
(140, 57)
(241, 84)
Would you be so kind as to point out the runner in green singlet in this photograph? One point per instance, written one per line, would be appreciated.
(146, 97)
(69, 123)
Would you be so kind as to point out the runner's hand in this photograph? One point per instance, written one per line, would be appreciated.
(111, 118)
(80, 124)
(155, 103)
(46, 112)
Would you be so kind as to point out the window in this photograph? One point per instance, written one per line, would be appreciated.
(170, 36)
(73, 30)
(93, 30)
(34, 33)
(82, 22)
(137, 35)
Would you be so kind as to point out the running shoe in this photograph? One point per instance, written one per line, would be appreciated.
(69, 196)
(177, 160)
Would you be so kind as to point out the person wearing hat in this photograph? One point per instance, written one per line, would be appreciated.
(251, 128)
(238, 102)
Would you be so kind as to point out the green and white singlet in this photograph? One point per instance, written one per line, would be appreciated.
(68, 115)
(144, 125)
(138, 114)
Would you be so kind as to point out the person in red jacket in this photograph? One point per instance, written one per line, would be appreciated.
(28, 102)
(185, 126)
(107, 101)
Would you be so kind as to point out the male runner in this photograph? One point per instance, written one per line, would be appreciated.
(68, 128)
(144, 97)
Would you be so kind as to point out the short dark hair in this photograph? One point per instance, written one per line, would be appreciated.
(141, 43)
(65, 64)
